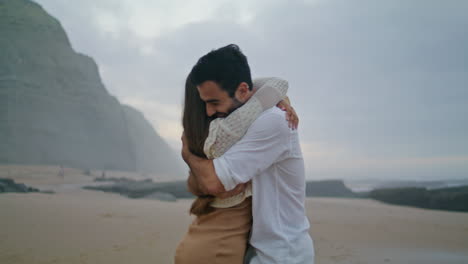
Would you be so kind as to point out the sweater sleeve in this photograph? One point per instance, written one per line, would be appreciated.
(225, 132)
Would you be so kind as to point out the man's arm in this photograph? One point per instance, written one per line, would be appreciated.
(192, 185)
(202, 174)
(260, 147)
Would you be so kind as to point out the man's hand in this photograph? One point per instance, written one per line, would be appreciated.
(193, 186)
(202, 170)
(192, 183)
(291, 116)
(185, 150)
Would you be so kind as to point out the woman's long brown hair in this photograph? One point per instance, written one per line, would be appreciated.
(196, 126)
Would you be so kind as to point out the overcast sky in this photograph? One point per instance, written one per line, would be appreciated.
(381, 87)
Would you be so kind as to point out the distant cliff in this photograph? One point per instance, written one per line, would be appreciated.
(54, 108)
(151, 152)
(328, 188)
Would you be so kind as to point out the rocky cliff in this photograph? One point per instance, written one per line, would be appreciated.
(54, 108)
(328, 188)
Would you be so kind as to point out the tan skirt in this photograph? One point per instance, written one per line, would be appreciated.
(219, 237)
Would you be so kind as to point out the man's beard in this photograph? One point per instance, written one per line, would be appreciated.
(236, 104)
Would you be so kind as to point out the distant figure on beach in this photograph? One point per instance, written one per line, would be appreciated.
(103, 175)
(61, 173)
(245, 165)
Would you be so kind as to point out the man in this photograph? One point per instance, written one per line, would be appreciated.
(269, 154)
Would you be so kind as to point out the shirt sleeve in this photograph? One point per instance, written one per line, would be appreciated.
(265, 143)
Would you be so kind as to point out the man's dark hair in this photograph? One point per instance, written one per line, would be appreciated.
(226, 66)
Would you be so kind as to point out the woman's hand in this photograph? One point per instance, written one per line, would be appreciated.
(291, 116)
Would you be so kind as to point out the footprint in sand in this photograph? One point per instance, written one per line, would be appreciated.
(106, 215)
(54, 260)
(112, 215)
(340, 257)
(83, 258)
(119, 247)
(153, 239)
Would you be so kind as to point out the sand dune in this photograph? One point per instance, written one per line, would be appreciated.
(83, 226)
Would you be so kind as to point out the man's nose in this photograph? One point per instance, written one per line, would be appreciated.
(210, 110)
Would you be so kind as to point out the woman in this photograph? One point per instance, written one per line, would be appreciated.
(220, 231)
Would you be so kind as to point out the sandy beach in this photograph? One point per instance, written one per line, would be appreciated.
(83, 226)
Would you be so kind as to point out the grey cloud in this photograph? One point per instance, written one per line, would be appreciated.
(382, 79)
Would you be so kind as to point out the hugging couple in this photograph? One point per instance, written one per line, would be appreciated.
(241, 144)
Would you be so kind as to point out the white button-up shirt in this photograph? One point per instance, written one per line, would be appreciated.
(269, 154)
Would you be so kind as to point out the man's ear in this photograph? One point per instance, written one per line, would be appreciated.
(243, 92)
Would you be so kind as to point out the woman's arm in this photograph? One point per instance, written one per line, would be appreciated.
(224, 132)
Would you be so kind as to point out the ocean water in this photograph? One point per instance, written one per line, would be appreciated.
(66, 187)
(366, 185)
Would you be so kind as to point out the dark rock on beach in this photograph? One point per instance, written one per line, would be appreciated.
(166, 191)
(9, 185)
(178, 189)
(451, 199)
